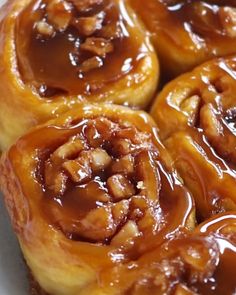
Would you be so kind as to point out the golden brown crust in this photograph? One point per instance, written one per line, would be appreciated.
(39, 82)
(106, 216)
(195, 117)
(187, 33)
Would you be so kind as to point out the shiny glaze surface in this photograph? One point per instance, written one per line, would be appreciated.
(102, 176)
(68, 48)
(186, 33)
(200, 107)
(100, 212)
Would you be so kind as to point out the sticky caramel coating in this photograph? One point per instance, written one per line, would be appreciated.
(100, 184)
(196, 118)
(198, 262)
(56, 54)
(187, 33)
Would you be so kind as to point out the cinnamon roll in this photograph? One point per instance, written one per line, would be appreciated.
(89, 193)
(187, 32)
(196, 118)
(56, 53)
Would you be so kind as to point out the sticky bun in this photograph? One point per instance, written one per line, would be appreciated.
(56, 53)
(198, 262)
(196, 118)
(89, 193)
(188, 32)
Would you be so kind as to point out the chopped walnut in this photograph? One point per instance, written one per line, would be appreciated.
(148, 220)
(54, 179)
(119, 187)
(79, 169)
(105, 127)
(98, 225)
(123, 165)
(227, 17)
(120, 211)
(91, 64)
(129, 231)
(98, 46)
(44, 29)
(68, 150)
(94, 137)
(100, 159)
(59, 13)
(87, 26)
(121, 146)
(78, 172)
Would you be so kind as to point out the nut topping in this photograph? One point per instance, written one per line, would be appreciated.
(98, 46)
(119, 187)
(44, 29)
(59, 14)
(87, 26)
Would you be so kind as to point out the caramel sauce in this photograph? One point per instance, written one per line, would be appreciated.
(140, 241)
(201, 16)
(55, 62)
(101, 179)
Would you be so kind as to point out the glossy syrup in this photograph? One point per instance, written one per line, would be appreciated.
(51, 65)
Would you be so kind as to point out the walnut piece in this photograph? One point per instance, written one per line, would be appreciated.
(91, 64)
(100, 159)
(44, 29)
(119, 187)
(68, 150)
(97, 46)
(123, 165)
(87, 26)
(129, 231)
(59, 14)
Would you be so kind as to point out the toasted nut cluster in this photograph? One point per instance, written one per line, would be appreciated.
(96, 33)
(110, 166)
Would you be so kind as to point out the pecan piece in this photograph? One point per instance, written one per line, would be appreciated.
(100, 159)
(59, 14)
(123, 165)
(44, 29)
(129, 231)
(98, 46)
(91, 64)
(87, 26)
(119, 187)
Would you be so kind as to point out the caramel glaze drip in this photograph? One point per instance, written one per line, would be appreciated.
(105, 184)
(202, 121)
(75, 47)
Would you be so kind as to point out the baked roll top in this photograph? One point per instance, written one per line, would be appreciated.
(89, 192)
(187, 33)
(196, 118)
(57, 54)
